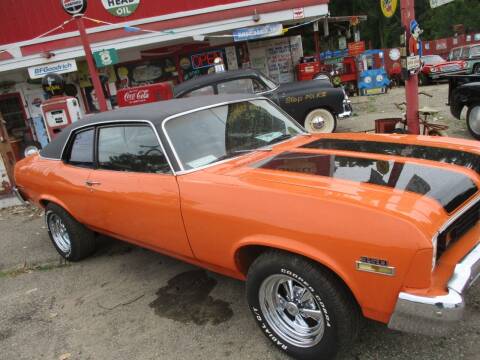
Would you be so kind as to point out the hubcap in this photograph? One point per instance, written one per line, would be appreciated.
(474, 119)
(291, 310)
(59, 232)
(318, 123)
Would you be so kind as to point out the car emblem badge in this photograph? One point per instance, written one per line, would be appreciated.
(373, 265)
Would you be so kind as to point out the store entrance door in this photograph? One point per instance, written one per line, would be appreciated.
(15, 121)
(7, 160)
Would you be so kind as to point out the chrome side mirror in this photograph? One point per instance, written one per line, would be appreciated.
(30, 150)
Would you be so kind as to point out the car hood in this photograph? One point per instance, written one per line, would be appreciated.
(309, 85)
(445, 64)
(416, 176)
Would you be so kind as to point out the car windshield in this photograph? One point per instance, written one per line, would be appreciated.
(432, 59)
(207, 136)
(269, 82)
(475, 51)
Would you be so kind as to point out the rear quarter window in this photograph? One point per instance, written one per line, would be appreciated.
(81, 149)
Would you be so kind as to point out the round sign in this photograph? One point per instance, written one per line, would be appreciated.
(394, 54)
(121, 8)
(74, 7)
(388, 7)
(53, 84)
(185, 63)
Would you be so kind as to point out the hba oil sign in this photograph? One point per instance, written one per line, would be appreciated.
(121, 7)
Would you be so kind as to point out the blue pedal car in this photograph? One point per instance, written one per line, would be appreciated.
(372, 76)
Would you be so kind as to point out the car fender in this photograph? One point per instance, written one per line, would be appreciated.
(298, 248)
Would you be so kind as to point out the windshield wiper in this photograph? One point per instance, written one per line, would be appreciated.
(251, 150)
(280, 138)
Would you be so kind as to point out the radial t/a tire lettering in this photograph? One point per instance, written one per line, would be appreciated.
(301, 307)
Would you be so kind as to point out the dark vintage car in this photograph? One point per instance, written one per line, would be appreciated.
(315, 104)
(464, 91)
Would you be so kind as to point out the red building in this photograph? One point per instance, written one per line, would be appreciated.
(149, 41)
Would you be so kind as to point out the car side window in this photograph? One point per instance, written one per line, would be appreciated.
(238, 86)
(81, 150)
(204, 91)
(133, 148)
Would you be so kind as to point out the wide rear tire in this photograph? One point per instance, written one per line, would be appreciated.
(304, 309)
(72, 240)
(320, 121)
(473, 120)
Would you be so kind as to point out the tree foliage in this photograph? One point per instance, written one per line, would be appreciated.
(385, 32)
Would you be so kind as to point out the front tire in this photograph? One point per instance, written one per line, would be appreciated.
(473, 120)
(302, 308)
(423, 80)
(72, 240)
(320, 121)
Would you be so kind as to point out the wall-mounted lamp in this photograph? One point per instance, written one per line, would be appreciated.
(256, 16)
(47, 54)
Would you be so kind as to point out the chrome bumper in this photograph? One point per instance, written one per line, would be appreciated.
(19, 196)
(347, 109)
(436, 315)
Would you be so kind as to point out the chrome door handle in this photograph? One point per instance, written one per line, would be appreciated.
(91, 183)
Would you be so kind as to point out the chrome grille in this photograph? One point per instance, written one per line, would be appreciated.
(454, 231)
(452, 67)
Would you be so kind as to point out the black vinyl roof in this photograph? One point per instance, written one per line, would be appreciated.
(213, 78)
(156, 113)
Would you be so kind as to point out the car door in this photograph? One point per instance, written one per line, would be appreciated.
(134, 194)
(70, 175)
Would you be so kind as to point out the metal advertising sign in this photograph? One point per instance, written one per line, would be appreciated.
(356, 48)
(74, 7)
(105, 57)
(437, 3)
(257, 32)
(121, 8)
(413, 62)
(62, 67)
(388, 7)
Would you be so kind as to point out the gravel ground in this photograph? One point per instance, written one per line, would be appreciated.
(368, 108)
(129, 303)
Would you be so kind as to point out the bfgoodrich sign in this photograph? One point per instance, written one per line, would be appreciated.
(121, 7)
(37, 72)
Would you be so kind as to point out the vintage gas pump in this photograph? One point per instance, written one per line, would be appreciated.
(59, 111)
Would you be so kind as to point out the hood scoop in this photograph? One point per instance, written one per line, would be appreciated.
(449, 188)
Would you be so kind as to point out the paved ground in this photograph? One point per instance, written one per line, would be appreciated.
(129, 303)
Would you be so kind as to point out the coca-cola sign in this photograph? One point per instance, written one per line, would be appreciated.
(136, 96)
(144, 94)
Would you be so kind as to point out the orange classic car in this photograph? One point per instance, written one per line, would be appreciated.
(325, 229)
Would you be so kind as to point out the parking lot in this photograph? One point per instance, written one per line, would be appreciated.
(130, 303)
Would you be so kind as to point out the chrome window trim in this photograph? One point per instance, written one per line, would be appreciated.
(459, 213)
(180, 164)
(47, 158)
(113, 122)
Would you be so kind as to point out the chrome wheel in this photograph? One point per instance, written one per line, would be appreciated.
(291, 310)
(474, 119)
(320, 121)
(59, 232)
